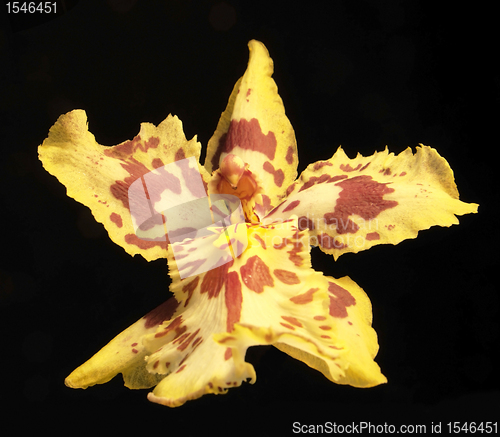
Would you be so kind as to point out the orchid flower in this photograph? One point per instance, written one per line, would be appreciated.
(269, 294)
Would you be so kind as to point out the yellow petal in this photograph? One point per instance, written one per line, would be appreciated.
(350, 205)
(124, 354)
(184, 349)
(268, 295)
(99, 176)
(322, 321)
(254, 128)
(351, 336)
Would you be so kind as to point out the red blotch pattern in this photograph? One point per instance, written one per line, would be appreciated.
(214, 280)
(340, 298)
(233, 300)
(292, 205)
(163, 312)
(189, 289)
(372, 236)
(255, 274)
(304, 222)
(324, 178)
(287, 277)
(116, 219)
(143, 244)
(278, 175)
(304, 298)
(360, 195)
(348, 168)
(247, 135)
(292, 321)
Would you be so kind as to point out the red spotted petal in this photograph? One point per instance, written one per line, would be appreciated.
(254, 145)
(349, 205)
(100, 176)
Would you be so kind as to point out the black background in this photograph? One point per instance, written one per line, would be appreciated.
(361, 74)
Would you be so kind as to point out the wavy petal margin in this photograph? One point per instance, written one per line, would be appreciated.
(99, 176)
(269, 295)
(350, 205)
(254, 128)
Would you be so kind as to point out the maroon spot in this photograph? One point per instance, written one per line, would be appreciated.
(284, 243)
(189, 288)
(336, 178)
(305, 223)
(292, 205)
(143, 244)
(362, 168)
(116, 219)
(373, 236)
(286, 325)
(185, 343)
(290, 189)
(124, 150)
(179, 154)
(255, 274)
(261, 241)
(348, 168)
(163, 312)
(386, 171)
(157, 163)
(120, 188)
(181, 368)
(289, 155)
(292, 321)
(340, 298)
(402, 173)
(228, 354)
(173, 325)
(294, 254)
(233, 300)
(247, 135)
(286, 276)
(267, 202)
(278, 175)
(214, 280)
(321, 179)
(321, 164)
(360, 195)
(304, 298)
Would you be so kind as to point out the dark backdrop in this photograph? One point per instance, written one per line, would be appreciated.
(361, 74)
